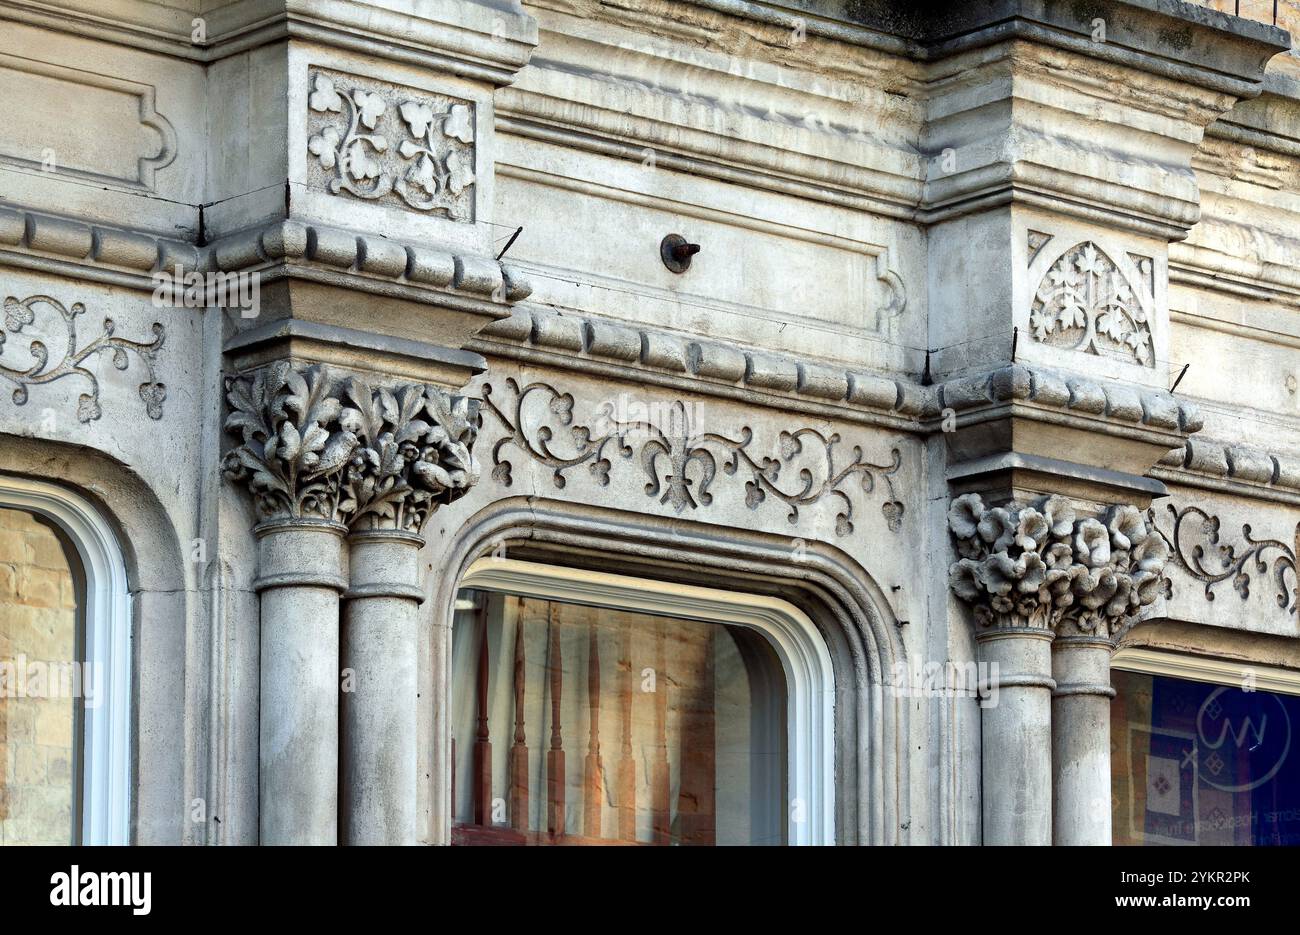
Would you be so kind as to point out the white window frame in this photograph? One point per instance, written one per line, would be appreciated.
(1214, 671)
(106, 742)
(791, 633)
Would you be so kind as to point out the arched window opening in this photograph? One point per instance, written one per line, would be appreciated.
(590, 708)
(64, 671)
(1204, 751)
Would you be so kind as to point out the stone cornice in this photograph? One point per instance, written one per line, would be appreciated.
(1041, 48)
(607, 348)
(1217, 49)
(1234, 469)
(370, 263)
(627, 351)
(366, 258)
(878, 179)
(488, 42)
(1028, 389)
(1262, 279)
(1119, 149)
(88, 250)
(844, 160)
(789, 128)
(1184, 42)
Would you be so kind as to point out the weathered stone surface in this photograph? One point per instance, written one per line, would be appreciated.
(943, 251)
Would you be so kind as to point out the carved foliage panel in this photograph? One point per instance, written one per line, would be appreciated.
(656, 451)
(385, 143)
(1093, 301)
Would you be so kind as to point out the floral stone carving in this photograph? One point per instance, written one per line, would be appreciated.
(1085, 303)
(21, 313)
(680, 463)
(386, 143)
(349, 452)
(1042, 566)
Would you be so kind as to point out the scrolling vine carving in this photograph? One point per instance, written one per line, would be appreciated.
(20, 313)
(1196, 545)
(681, 463)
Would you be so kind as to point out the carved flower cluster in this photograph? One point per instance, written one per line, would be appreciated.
(1041, 566)
(369, 457)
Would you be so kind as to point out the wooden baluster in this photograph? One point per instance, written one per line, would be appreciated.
(519, 752)
(593, 779)
(555, 756)
(661, 785)
(626, 762)
(482, 741)
(696, 743)
(4, 737)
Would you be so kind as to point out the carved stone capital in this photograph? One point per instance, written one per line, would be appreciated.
(343, 450)
(1041, 566)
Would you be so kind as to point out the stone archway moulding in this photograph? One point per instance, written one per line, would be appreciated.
(160, 611)
(840, 597)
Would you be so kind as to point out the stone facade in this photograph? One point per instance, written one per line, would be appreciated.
(988, 353)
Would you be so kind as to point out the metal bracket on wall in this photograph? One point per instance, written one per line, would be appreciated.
(676, 252)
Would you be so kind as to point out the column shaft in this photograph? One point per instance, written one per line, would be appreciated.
(1081, 740)
(1016, 736)
(379, 711)
(299, 582)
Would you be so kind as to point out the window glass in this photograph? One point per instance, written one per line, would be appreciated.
(575, 724)
(1196, 763)
(39, 683)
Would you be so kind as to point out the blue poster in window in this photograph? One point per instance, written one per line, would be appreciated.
(1196, 763)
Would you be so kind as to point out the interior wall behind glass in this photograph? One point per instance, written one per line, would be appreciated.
(38, 643)
(668, 731)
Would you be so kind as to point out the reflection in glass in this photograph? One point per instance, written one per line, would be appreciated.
(583, 725)
(40, 682)
(1195, 763)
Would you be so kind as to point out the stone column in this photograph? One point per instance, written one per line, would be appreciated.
(413, 454)
(299, 583)
(379, 711)
(1016, 735)
(1032, 573)
(1081, 739)
(321, 457)
(290, 456)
